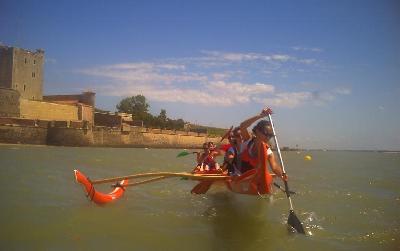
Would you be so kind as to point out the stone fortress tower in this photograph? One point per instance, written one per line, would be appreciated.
(28, 116)
(22, 70)
(21, 90)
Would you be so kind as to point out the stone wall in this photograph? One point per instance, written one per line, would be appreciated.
(78, 133)
(85, 112)
(6, 64)
(9, 103)
(28, 73)
(67, 136)
(173, 140)
(50, 111)
(107, 119)
(20, 134)
(87, 98)
(12, 105)
(143, 137)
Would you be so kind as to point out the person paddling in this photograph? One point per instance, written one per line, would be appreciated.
(206, 160)
(232, 155)
(262, 133)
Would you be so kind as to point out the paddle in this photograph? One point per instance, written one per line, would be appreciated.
(184, 153)
(202, 187)
(283, 190)
(293, 221)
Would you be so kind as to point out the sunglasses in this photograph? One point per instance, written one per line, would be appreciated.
(266, 134)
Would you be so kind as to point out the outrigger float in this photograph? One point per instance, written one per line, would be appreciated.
(257, 181)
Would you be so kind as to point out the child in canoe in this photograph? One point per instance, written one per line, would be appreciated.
(206, 161)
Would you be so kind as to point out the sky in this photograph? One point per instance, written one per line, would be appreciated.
(330, 70)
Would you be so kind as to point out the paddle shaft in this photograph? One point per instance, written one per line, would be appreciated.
(283, 190)
(293, 220)
(281, 161)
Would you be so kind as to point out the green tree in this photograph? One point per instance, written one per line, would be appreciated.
(139, 108)
(135, 105)
(162, 118)
(180, 123)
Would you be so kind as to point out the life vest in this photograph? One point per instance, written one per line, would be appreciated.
(248, 161)
(209, 160)
(256, 180)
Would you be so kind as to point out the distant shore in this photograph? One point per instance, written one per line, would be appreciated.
(156, 147)
(60, 134)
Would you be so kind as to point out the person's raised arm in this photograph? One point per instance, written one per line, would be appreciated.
(199, 157)
(248, 122)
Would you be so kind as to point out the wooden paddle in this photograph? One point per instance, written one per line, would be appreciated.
(202, 187)
(292, 220)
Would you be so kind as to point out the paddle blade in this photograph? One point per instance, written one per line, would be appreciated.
(202, 187)
(294, 222)
(181, 154)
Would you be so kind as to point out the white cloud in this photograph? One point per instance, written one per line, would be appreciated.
(286, 99)
(307, 61)
(281, 58)
(216, 56)
(221, 75)
(312, 49)
(143, 73)
(324, 97)
(342, 91)
(172, 66)
(189, 96)
(296, 99)
(194, 81)
(240, 88)
(128, 66)
(210, 94)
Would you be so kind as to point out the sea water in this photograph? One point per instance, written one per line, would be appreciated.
(347, 200)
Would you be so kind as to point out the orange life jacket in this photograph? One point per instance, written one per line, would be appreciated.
(255, 180)
(249, 162)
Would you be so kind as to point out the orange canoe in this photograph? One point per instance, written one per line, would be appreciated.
(253, 182)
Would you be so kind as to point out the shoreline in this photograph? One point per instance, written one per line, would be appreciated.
(132, 137)
(97, 146)
(183, 148)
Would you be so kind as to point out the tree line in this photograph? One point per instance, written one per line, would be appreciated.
(139, 108)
